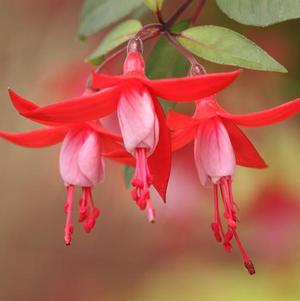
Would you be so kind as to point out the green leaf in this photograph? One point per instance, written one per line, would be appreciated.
(154, 5)
(120, 34)
(260, 12)
(224, 46)
(128, 174)
(97, 14)
(165, 61)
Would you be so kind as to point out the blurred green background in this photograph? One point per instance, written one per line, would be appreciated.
(125, 258)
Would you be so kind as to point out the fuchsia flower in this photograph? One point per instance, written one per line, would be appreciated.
(140, 116)
(219, 145)
(81, 158)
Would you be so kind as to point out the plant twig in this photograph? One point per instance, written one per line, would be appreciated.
(116, 54)
(184, 5)
(198, 10)
(181, 49)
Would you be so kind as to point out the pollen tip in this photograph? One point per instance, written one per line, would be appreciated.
(250, 267)
(151, 215)
(227, 247)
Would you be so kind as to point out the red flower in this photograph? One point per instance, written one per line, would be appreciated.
(81, 158)
(141, 118)
(218, 146)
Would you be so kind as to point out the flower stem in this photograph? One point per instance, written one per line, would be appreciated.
(193, 61)
(184, 5)
(198, 10)
(148, 32)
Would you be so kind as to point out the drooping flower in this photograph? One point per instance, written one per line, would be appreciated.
(219, 145)
(140, 116)
(81, 159)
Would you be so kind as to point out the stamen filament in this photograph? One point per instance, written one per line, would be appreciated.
(69, 228)
(141, 183)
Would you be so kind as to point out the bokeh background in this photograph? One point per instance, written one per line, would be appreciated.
(125, 258)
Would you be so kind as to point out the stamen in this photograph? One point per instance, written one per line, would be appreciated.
(217, 225)
(84, 209)
(141, 183)
(225, 186)
(69, 228)
(92, 213)
(150, 212)
(228, 202)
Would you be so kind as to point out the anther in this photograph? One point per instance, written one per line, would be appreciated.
(250, 267)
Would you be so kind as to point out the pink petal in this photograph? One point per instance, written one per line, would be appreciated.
(80, 158)
(37, 138)
(90, 160)
(137, 118)
(245, 152)
(266, 117)
(214, 154)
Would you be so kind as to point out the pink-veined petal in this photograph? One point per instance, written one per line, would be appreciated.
(37, 138)
(245, 152)
(213, 150)
(178, 121)
(160, 160)
(137, 119)
(266, 117)
(191, 88)
(78, 109)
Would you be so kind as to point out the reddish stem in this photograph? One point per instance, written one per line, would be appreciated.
(181, 49)
(198, 10)
(184, 5)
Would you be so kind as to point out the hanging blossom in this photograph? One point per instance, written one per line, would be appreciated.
(140, 116)
(81, 161)
(219, 145)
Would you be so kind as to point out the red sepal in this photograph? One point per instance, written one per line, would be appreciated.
(79, 109)
(266, 117)
(174, 89)
(160, 161)
(96, 126)
(191, 88)
(21, 104)
(245, 152)
(178, 121)
(37, 138)
(101, 81)
(183, 137)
